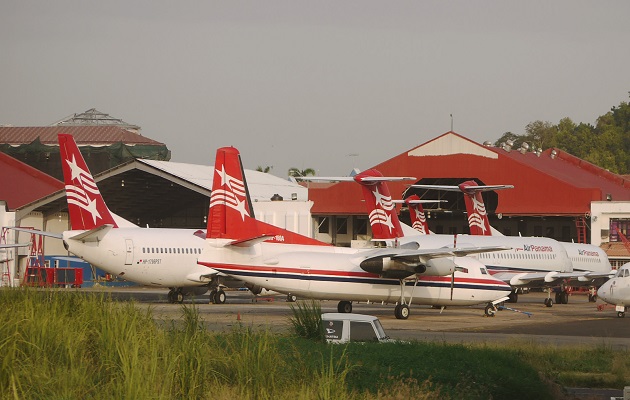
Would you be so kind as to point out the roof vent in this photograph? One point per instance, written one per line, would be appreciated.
(553, 154)
(487, 143)
(538, 152)
(524, 148)
(276, 197)
(507, 146)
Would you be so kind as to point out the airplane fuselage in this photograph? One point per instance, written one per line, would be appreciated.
(334, 274)
(153, 257)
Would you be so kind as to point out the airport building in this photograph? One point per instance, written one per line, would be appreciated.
(555, 194)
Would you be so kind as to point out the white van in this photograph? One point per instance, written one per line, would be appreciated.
(344, 327)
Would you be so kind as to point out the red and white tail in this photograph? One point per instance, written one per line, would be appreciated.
(476, 208)
(231, 215)
(381, 209)
(86, 206)
(416, 214)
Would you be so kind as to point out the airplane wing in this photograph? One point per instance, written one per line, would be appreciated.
(93, 235)
(397, 263)
(41, 233)
(12, 246)
(535, 279)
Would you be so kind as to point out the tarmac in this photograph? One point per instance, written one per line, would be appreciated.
(579, 322)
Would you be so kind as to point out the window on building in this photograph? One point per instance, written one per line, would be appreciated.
(323, 224)
(342, 225)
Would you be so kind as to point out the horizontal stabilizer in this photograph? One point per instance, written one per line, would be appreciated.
(93, 235)
(10, 246)
(41, 233)
(250, 241)
(451, 188)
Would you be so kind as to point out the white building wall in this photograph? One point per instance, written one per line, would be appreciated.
(601, 214)
(294, 216)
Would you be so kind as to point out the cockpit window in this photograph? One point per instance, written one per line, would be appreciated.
(484, 271)
(623, 273)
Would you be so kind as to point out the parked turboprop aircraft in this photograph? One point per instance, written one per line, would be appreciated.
(616, 291)
(590, 263)
(240, 246)
(529, 262)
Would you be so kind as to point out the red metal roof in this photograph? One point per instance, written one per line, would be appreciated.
(563, 185)
(21, 184)
(83, 135)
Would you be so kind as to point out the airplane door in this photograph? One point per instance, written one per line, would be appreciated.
(128, 251)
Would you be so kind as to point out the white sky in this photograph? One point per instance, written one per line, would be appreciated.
(328, 85)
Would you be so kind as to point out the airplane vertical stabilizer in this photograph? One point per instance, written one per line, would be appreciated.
(381, 208)
(86, 206)
(416, 213)
(231, 215)
(476, 208)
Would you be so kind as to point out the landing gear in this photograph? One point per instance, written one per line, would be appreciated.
(291, 298)
(490, 310)
(592, 298)
(562, 297)
(548, 302)
(217, 296)
(175, 296)
(621, 314)
(401, 311)
(513, 296)
(344, 307)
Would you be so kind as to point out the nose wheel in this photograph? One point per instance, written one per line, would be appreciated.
(401, 311)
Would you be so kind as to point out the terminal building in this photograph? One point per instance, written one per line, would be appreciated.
(555, 194)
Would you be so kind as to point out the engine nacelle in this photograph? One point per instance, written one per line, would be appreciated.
(255, 289)
(389, 268)
(440, 266)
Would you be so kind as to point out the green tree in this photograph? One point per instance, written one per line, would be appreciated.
(266, 169)
(296, 172)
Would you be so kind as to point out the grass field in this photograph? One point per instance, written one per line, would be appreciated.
(71, 345)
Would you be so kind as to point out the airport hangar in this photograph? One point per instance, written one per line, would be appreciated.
(555, 195)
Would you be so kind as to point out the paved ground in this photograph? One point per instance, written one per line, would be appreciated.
(578, 322)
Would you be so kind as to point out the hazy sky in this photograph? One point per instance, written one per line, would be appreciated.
(328, 85)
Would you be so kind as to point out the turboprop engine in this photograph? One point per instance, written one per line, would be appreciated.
(389, 267)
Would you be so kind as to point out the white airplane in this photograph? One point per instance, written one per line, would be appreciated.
(158, 257)
(240, 246)
(590, 264)
(616, 291)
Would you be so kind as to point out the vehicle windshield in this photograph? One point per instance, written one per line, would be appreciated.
(379, 330)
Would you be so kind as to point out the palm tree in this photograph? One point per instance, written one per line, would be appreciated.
(297, 173)
(266, 169)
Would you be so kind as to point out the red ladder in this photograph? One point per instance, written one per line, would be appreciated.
(580, 226)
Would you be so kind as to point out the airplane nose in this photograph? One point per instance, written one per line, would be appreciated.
(604, 290)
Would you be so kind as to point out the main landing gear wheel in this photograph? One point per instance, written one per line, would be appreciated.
(401, 311)
(592, 298)
(621, 314)
(490, 310)
(548, 302)
(344, 307)
(291, 298)
(218, 296)
(512, 297)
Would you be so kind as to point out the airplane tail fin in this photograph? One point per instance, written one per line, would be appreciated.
(231, 215)
(86, 206)
(416, 212)
(476, 209)
(381, 208)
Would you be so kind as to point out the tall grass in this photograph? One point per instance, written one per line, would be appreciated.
(69, 345)
(306, 320)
